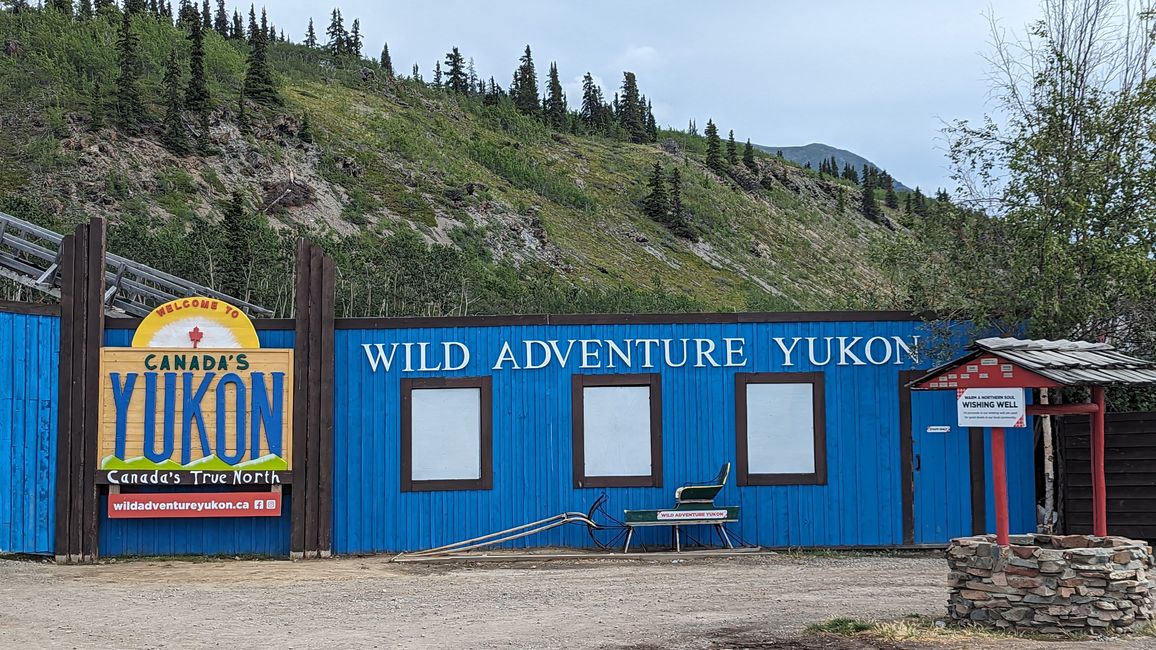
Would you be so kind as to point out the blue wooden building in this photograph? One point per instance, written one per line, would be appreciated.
(446, 429)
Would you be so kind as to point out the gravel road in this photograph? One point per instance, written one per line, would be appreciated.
(750, 601)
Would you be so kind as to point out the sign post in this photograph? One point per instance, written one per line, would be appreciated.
(996, 408)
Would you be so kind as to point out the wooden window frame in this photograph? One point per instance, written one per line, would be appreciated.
(578, 384)
(486, 446)
(818, 404)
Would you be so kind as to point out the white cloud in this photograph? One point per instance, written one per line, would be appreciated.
(664, 114)
(639, 57)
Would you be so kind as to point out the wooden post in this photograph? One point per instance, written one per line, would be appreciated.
(999, 478)
(1099, 483)
(300, 400)
(312, 494)
(81, 337)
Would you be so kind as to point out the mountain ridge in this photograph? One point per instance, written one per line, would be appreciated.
(816, 152)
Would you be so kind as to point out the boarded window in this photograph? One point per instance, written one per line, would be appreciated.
(779, 423)
(445, 438)
(617, 430)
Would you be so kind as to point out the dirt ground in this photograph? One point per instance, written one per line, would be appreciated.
(709, 603)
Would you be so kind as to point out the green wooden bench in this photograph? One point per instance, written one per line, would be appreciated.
(693, 506)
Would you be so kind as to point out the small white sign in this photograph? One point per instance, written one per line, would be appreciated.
(939, 429)
(667, 515)
(991, 407)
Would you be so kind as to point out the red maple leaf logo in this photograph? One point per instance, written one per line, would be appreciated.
(195, 335)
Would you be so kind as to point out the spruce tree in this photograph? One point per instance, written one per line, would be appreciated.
(437, 79)
(456, 79)
(714, 158)
(415, 74)
(173, 134)
(651, 124)
(253, 27)
(197, 93)
(656, 203)
(630, 109)
(206, 16)
(311, 36)
(869, 208)
(907, 203)
(305, 132)
(155, 9)
(525, 91)
(63, 6)
(259, 86)
(675, 195)
(890, 198)
(493, 93)
(692, 128)
(238, 31)
(239, 230)
(134, 7)
(732, 149)
(221, 20)
(187, 14)
(386, 62)
(355, 44)
(555, 100)
(841, 203)
(84, 10)
(749, 157)
(129, 108)
(592, 102)
(336, 33)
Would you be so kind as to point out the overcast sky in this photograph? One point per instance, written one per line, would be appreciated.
(877, 78)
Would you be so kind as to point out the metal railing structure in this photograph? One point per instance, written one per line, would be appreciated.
(30, 256)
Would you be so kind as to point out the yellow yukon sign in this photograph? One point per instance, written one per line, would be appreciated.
(195, 395)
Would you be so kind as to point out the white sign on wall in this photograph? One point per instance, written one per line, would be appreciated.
(991, 407)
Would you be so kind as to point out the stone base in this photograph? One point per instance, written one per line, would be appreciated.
(1051, 584)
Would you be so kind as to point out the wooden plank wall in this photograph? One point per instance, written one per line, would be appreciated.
(312, 503)
(81, 332)
(1130, 469)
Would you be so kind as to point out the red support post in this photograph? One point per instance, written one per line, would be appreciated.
(1099, 483)
(999, 478)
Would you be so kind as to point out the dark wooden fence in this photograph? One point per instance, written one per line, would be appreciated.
(312, 504)
(81, 334)
(1130, 469)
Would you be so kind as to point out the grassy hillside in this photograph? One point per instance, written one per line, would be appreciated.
(431, 203)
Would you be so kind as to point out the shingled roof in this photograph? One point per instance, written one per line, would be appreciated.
(1074, 363)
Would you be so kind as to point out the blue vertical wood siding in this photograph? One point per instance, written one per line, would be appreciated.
(28, 369)
(268, 536)
(532, 473)
(532, 477)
